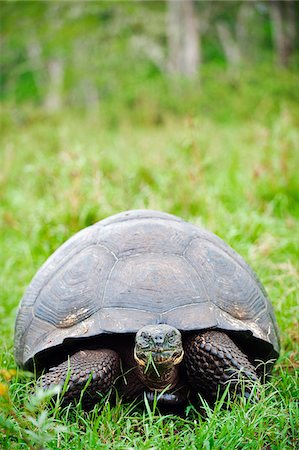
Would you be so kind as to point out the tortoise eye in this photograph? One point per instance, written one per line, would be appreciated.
(145, 342)
(171, 338)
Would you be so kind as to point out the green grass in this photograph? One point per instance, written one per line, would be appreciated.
(238, 178)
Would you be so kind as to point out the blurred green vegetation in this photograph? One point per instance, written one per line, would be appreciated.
(112, 58)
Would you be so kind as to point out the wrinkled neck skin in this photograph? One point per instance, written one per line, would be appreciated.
(167, 376)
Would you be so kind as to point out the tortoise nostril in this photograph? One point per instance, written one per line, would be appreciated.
(158, 339)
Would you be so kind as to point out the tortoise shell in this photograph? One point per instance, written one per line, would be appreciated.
(138, 268)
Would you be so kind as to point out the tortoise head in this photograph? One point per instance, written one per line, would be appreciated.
(160, 345)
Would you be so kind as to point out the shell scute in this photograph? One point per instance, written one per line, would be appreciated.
(76, 289)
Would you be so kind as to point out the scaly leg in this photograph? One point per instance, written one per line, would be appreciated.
(101, 367)
(213, 360)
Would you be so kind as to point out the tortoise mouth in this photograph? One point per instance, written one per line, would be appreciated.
(159, 357)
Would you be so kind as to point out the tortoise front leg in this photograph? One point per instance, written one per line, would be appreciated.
(101, 367)
(213, 360)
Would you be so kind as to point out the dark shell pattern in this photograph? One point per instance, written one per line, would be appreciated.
(138, 268)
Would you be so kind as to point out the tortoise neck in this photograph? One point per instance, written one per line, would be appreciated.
(158, 377)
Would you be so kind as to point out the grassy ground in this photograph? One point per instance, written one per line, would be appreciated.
(238, 178)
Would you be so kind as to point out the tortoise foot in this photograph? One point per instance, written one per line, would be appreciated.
(213, 361)
(93, 370)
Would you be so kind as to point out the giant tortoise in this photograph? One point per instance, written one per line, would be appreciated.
(148, 303)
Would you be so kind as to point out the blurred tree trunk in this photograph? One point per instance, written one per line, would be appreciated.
(53, 99)
(234, 34)
(283, 18)
(230, 45)
(85, 90)
(183, 38)
(246, 33)
(34, 57)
